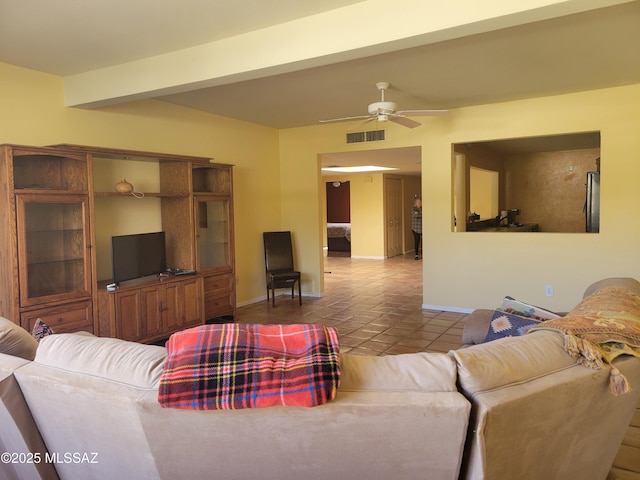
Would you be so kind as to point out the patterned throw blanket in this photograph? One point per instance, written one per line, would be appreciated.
(603, 326)
(232, 366)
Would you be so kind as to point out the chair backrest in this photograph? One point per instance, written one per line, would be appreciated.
(278, 252)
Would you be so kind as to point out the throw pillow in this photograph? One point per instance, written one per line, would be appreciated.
(504, 324)
(16, 341)
(41, 330)
(511, 305)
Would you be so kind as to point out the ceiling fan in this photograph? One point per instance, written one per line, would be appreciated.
(383, 111)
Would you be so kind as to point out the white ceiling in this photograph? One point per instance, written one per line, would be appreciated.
(572, 45)
(585, 51)
(67, 37)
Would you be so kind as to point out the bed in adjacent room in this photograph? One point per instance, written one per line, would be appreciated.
(339, 237)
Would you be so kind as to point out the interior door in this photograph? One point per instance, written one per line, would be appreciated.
(393, 216)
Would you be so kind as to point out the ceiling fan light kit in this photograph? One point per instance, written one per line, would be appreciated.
(383, 111)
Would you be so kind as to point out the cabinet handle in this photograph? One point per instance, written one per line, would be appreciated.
(59, 319)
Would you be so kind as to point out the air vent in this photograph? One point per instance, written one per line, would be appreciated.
(356, 137)
(375, 135)
(359, 137)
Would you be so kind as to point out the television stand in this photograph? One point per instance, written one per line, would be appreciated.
(151, 308)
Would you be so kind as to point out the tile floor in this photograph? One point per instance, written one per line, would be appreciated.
(376, 305)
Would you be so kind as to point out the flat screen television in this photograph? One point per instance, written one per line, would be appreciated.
(139, 255)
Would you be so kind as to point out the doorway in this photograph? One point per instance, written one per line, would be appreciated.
(393, 216)
(369, 233)
(338, 195)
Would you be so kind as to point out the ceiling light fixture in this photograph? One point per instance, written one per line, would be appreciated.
(357, 169)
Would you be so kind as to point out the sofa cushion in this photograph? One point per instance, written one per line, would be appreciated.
(510, 361)
(418, 372)
(118, 360)
(16, 341)
(504, 324)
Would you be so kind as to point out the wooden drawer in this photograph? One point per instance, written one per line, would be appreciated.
(217, 283)
(67, 318)
(218, 296)
(220, 303)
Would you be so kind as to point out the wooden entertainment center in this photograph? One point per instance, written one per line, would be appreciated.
(57, 206)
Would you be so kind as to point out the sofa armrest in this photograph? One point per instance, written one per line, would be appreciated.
(623, 282)
(19, 433)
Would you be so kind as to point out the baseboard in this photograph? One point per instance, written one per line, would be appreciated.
(263, 298)
(447, 308)
(367, 258)
(251, 301)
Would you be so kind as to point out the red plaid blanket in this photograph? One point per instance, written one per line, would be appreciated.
(232, 366)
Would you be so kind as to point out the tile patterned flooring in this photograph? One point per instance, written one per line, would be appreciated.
(376, 306)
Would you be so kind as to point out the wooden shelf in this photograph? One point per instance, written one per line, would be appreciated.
(120, 154)
(56, 196)
(144, 194)
(54, 191)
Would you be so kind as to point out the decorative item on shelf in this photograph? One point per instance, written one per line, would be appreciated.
(125, 187)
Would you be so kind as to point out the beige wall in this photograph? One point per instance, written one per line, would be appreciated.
(33, 113)
(477, 269)
(277, 183)
(473, 270)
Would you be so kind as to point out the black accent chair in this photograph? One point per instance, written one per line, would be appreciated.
(278, 261)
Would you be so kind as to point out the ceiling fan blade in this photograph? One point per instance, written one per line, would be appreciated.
(360, 124)
(423, 113)
(404, 121)
(344, 119)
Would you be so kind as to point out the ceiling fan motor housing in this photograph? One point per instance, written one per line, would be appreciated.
(382, 108)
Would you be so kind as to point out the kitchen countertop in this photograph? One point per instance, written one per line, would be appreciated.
(522, 227)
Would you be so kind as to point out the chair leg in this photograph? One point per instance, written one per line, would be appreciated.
(299, 292)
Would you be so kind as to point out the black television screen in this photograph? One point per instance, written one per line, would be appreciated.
(139, 255)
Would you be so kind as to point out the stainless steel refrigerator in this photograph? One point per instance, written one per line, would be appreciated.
(592, 205)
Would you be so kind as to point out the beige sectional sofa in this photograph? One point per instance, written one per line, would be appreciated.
(518, 407)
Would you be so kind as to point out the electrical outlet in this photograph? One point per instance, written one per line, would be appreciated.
(548, 290)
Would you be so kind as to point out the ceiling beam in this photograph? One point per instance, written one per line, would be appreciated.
(366, 28)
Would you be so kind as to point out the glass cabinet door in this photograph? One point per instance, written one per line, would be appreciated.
(53, 245)
(213, 234)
